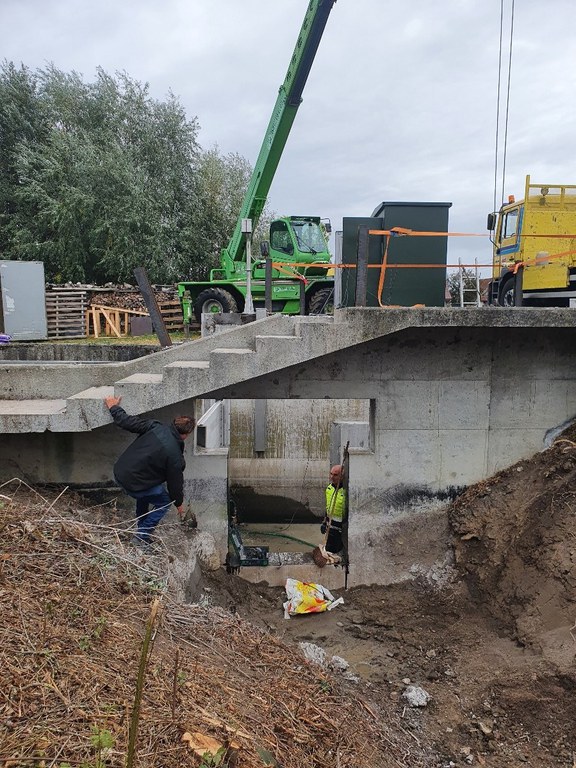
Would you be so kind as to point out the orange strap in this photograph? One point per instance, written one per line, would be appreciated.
(402, 232)
(281, 267)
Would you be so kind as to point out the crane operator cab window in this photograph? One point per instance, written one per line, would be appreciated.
(280, 237)
(309, 236)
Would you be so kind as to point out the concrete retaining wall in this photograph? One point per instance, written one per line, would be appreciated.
(450, 407)
(89, 353)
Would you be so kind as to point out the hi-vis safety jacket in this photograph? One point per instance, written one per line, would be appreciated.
(335, 509)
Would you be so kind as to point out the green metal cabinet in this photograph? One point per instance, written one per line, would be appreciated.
(402, 287)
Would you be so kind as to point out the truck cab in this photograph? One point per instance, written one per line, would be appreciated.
(534, 248)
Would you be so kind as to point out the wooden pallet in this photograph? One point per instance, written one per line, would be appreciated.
(110, 321)
(115, 321)
(171, 312)
(66, 313)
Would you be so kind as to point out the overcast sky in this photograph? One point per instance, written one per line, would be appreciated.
(400, 103)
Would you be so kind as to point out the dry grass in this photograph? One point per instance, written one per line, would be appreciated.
(74, 604)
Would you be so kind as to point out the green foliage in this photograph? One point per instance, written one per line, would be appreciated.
(98, 178)
(214, 761)
(222, 182)
(101, 741)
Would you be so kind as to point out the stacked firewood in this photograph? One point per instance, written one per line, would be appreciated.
(127, 297)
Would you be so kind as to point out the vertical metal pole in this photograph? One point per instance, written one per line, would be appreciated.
(338, 242)
(362, 267)
(302, 297)
(461, 282)
(268, 285)
(247, 229)
(478, 291)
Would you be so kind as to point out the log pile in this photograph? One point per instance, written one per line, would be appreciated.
(127, 297)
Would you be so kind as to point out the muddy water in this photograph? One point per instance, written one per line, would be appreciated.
(280, 537)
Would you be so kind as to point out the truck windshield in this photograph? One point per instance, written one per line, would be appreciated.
(309, 236)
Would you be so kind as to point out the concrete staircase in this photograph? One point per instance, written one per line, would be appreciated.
(189, 370)
(69, 398)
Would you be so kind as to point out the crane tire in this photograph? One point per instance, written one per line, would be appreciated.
(322, 302)
(216, 300)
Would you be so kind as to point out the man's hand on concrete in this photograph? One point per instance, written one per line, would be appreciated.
(181, 511)
(111, 401)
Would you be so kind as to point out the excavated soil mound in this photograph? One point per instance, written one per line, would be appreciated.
(492, 642)
(516, 546)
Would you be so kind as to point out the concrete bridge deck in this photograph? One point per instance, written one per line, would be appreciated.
(66, 397)
(455, 395)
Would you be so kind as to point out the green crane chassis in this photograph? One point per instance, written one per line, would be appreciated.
(221, 296)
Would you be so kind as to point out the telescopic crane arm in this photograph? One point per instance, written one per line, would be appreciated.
(283, 114)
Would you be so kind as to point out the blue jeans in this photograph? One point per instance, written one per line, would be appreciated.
(148, 520)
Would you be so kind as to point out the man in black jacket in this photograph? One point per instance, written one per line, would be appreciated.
(154, 458)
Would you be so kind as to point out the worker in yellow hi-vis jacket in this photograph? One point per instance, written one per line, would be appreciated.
(335, 510)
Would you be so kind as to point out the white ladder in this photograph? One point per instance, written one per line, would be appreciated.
(466, 292)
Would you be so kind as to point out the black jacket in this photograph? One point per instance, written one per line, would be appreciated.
(155, 457)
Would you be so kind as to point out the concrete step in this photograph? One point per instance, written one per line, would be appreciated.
(185, 376)
(229, 365)
(31, 407)
(140, 378)
(93, 393)
(141, 392)
(276, 345)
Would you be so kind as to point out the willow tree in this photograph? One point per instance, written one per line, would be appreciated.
(98, 178)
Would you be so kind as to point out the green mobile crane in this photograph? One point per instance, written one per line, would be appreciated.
(293, 239)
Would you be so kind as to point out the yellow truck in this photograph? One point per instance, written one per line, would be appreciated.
(534, 256)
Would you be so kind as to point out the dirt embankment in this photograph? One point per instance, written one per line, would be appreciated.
(494, 647)
(75, 601)
(516, 547)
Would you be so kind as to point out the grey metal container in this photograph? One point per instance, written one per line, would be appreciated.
(23, 308)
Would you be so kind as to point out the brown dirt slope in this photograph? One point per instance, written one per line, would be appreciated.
(493, 643)
(74, 603)
(516, 546)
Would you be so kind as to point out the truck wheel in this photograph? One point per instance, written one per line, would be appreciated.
(322, 302)
(215, 300)
(507, 294)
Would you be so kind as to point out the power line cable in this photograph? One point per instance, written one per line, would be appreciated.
(508, 99)
(498, 102)
(497, 138)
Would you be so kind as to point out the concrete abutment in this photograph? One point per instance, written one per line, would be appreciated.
(444, 398)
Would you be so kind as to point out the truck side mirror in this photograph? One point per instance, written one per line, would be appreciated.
(264, 249)
(491, 223)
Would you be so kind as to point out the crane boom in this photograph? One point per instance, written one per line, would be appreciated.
(283, 114)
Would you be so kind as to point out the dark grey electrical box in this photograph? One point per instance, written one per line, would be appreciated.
(402, 286)
(23, 315)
